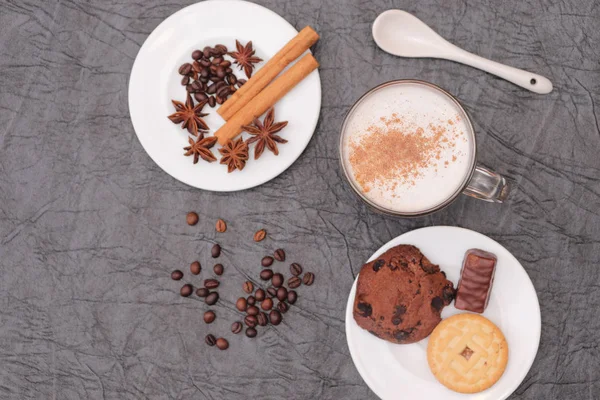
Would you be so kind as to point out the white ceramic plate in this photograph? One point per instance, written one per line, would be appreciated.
(154, 82)
(396, 371)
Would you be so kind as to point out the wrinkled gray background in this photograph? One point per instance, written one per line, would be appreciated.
(90, 227)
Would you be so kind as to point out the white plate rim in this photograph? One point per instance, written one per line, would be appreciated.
(400, 240)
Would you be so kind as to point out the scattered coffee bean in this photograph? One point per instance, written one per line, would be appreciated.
(262, 319)
(202, 292)
(221, 226)
(211, 298)
(221, 72)
(271, 291)
(196, 54)
(275, 317)
(282, 294)
(248, 287)
(222, 344)
(277, 280)
(207, 52)
(217, 60)
(176, 275)
(211, 100)
(292, 296)
(196, 66)
(209, 317)
(215, 251)
(220, 100)
(226, 64)
(241, 304)
(186, 290)
(260, 295)
(279, 255)
(251, 332)
(211, 283)
(185, 80)
(236, 327)
(251, 300)
(195, 268)
(296, 269)
(266, 274)
(222, 49)
(185, 69)
(252, 310)
(210, 340)
(189, 89)
(197, 86)
(267, 304)
(267, 261)
(241, 82)
(218, 269)
(308, 278)
(192, 218)
(231, 79)
(211, 89)
(200, 97)
(294, 282)
(251, 321)
(282, 307)
(220, 85)
(260, 235)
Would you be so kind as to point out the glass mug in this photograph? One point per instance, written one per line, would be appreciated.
(435, 191)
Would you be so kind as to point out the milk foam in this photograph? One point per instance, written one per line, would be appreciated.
(418, 106)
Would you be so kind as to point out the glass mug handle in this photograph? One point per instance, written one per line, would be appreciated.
(488, 185)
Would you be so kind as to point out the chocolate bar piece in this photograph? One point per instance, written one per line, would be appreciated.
(476, 279)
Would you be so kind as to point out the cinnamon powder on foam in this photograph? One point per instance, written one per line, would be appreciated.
(395, 152)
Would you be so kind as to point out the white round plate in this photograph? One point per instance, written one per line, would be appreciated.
(400, 371)
(155, 81)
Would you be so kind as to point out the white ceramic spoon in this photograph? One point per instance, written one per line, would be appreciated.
(402, 34)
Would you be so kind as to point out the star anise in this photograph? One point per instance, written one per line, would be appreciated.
(244, 57)
(265, 134)
(200, 148)
(235, 154)
(190, 115)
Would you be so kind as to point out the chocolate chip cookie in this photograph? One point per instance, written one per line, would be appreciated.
(400, 295)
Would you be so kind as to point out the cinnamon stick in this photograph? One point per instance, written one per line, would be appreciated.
(290, 52)
(267, 98)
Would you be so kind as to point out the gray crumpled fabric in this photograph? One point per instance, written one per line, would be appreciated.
(90, 227)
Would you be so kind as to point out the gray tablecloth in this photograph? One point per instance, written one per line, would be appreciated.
(90, 227)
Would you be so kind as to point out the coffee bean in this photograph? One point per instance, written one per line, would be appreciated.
(176, 275)
(262, 319)
(202, 292)
(204, 80)
(221, 72)
(196, 67)
(260, 235)
(200, 97)
(205, 63)
(231, 79)
(220, 85)
(211, 298)
(251, 300)
(226, 64)
(223, 92)
(251, 332)
(282, 307)
(308, 278)
(211, 101)
(295, 269)
(221, 48)
(192, 218)
(267, 304)
(196, 54)
(186, 290)
(222, 344)
(197, 86)
(292, 296)
(185, 80)
(218, 269)
(210, 340)
(236, 327)
(221, 226)
(228, 71)
(220, 100)
(248, 287)
(266, 274)
(267, 261)
(294, 282)
(209, 317)
(271, 291)
(215, 251)
(211, 283)
(252, 310)
(205, 72)
(282, 294)
(214, 78)
(250, 321)
(260, 295)
(211, 89)
(185, 69)
(275, 317)
(241, 304)
(195, 268)
(207, 52)
(190, 89)
(279, 255)
(217, 60)
(277, 280)
(241, 82)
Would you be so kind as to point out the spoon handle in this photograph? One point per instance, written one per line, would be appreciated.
(528, 80)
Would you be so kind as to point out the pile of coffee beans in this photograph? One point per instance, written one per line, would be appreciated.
(209, 77)
(261, 306)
